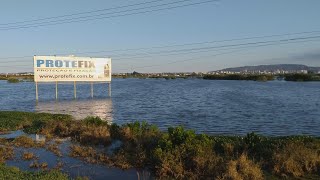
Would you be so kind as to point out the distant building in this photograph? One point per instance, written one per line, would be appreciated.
(304, 71)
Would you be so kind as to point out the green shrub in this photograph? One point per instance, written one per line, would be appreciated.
(12, 120)
(296, 160)
(94, 121)
(243, 169)
(16, 174)
(13, 80)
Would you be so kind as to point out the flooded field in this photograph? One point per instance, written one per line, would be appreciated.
(55, 154)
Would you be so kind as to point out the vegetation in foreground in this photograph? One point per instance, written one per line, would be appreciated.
(16, 174)
(177, 153)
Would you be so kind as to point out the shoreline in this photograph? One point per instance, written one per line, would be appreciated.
(295, 77)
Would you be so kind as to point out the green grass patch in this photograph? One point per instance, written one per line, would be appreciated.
(32, 122)
(14, 173)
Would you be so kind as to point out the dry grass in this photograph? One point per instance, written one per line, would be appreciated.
(36, 164)
(4, 141)
(88, 154)
(28, 156)
(243, 169)
(120, 160)
(81, 132)
(171, 165)
(26, 142)
(54, 148)
(228, 149)
(6, 153)
(205, 165)
(95, 135)
(296, 159)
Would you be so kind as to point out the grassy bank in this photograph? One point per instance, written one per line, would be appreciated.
(178, 153)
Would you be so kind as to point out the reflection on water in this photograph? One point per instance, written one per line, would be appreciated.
(79, 109)
(74, 167)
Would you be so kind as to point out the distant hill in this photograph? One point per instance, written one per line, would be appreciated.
(273, 68)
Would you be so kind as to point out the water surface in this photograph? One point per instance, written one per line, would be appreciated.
(214, 107)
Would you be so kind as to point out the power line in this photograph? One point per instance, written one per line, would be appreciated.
(234, 45)
(184, 53)
(205, 49)
(97, 15)
(107, 17)
(87, 12)
(252, 45)
(209, 48)
(224, 53)
(174, 45)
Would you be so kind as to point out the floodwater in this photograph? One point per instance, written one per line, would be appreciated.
(215, 107)
(72, 166)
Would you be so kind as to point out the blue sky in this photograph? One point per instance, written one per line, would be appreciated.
(222, 20)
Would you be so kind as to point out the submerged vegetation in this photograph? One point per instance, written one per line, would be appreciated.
(177, 153)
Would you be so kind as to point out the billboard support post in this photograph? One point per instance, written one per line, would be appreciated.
(75, 89)
(56, 90)
(37, 91)
(91, 89)
(109, 87)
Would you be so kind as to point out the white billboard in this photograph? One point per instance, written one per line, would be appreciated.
(70, 68)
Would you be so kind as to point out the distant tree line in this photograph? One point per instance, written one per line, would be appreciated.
(302, 77)
(16, 78)
(247, 77)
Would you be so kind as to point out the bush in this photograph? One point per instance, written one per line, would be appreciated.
(181, 153)
(13, 80)
(94, 121)
(296, 159)
(6, 153)
(243, 169)
(11, 120)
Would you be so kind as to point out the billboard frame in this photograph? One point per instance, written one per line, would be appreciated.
(74, 82)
